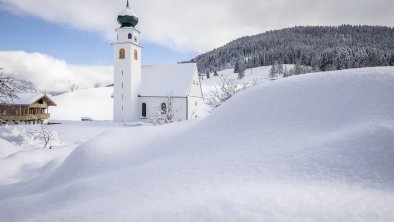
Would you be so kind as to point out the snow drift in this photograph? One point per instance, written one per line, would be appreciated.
(7, 148)
(316, 147)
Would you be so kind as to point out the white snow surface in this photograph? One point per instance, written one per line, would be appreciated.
(7, 148)
(315, 147)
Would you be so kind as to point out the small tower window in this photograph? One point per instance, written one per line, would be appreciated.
(130, 36)
(122, 53)
(163, 107)
(143, 110)
(135, 54)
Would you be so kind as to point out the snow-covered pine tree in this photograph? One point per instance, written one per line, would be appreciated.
(274, 70)
(280, 67)
(345, 46)
(236, 67)
(315, 63)
(286, 72)
(241, 71)
(298, 68)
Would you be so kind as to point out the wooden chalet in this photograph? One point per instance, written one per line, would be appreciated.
(29, 108)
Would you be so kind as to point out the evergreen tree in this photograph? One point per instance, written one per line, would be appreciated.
(280, 67)
(317, 47)
(330, 67)
(286, 72)
(274, 70)
(236, 67)
(241, 71)
(391, 62)
(298, 68)
(315, 63)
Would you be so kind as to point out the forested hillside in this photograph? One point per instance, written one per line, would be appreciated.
(326, 48)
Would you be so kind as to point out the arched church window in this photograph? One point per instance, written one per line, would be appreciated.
(163, 107)
(143, 110)
(135, 54)
(122, 53)
(130, 36)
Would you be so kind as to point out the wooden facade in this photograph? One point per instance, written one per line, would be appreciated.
(35, 112)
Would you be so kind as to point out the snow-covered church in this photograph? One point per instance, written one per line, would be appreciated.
(140, 91)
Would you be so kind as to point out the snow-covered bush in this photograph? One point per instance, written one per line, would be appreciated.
(225, 89)
(45, 136)
(34, 136)
(165, 114)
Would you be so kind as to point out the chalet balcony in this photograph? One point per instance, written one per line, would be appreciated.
(26, 117)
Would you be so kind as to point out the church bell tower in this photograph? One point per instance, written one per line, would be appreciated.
(127, 68)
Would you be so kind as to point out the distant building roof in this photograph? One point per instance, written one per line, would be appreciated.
(29, 98)
(165, 80)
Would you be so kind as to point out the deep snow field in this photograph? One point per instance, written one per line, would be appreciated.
(314, 147)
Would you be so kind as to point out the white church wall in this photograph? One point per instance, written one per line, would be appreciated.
(194, 107)
(154, 103)
(195, 89)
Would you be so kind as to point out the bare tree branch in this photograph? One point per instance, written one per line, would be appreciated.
(226, 88)
(160, 117)
(9, 87)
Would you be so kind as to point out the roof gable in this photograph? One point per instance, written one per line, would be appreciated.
(166, 80)
(30, 98)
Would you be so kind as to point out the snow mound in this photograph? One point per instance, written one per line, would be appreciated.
(7, 148)
(316, 147)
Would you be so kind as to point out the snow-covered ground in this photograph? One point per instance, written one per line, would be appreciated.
(315, 147)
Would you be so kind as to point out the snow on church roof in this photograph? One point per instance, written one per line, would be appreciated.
(166, 80)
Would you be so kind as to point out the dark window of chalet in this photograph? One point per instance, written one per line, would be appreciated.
(41, 101)
(164, 107)
(130, 36)
(143, 109)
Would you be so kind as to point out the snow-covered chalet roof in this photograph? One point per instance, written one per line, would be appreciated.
(167, 80)
(29, 98)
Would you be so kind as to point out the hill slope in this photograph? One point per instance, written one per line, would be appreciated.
(326, 48)
(316, 147)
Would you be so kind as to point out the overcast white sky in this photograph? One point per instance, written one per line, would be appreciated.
(201, 25)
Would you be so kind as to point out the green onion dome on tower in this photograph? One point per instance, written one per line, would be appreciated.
(127, 18)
